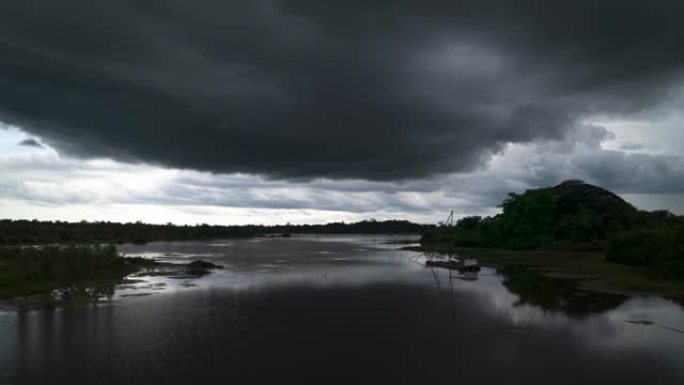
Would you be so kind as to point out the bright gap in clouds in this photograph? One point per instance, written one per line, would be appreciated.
(36, 182)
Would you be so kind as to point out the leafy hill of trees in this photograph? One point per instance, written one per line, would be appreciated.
(574, 215)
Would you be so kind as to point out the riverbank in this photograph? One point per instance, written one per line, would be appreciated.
(590, 269)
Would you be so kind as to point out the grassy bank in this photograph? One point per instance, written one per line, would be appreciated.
(34, 270)
(591, 269)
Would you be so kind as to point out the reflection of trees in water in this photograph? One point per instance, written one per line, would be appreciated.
(80, 294)
(556, 294)
(91, 291)
(678, 300)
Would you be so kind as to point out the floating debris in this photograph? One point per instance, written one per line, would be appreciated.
(455, 264)
(651, 323)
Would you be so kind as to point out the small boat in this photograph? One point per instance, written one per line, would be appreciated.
(469, 264)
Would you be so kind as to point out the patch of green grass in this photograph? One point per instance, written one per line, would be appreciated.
(33, 270)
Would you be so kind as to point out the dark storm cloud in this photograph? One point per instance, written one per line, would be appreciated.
(298, 89)
(30, 142)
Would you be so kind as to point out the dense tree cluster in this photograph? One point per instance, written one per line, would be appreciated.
(660, 249)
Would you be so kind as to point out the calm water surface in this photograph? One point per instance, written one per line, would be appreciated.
(340, 310)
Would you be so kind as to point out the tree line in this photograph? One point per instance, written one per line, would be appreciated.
(45, 232)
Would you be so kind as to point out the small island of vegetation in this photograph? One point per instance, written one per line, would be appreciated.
(32, 270)
(27, 270)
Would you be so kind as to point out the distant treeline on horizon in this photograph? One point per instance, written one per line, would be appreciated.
(41, 232)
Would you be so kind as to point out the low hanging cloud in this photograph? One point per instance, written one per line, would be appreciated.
(374, 90)
(30, 142)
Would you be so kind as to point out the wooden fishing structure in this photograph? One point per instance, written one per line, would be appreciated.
(452, 261)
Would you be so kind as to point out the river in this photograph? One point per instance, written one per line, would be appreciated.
(340, 310)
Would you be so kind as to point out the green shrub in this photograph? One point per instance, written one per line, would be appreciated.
(661, 249)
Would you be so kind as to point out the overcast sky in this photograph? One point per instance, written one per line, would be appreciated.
(272, 111)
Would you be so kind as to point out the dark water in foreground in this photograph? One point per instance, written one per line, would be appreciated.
(340, 310)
